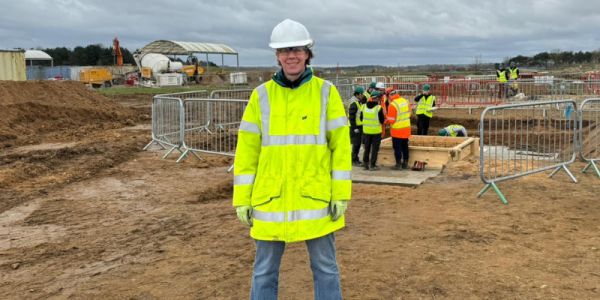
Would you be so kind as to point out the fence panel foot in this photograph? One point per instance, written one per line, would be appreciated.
(592, 163)
(483, 190)
(564, 167)
(152, 142)
(171, 150)
(196, 155)
(496, 189)
(183, 155)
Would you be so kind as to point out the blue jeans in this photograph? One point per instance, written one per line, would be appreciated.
(326, 277)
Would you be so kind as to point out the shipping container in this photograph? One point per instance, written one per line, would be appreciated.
(238, 78)
(169, 79)
(96, 77)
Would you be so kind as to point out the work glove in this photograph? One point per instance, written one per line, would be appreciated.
(337, 209)
(244, 214)
(356, 130)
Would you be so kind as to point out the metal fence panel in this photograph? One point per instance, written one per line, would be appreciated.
(167, 121)
(338, 80)
(522, 139)
(409, 78)
(407, 90)
(346, 92)
(187, 95)
(243, 94)
(211, 125)
(366, 80)
(589, 125)
(464, 93)
(536, 89)
(592, 87)
(486, 77)
(342, 81)
(474, 92)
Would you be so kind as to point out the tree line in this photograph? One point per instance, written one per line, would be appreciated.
(91, 55)
(557, 58)
(96, 55)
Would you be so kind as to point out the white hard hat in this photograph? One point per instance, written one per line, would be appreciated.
(380, 85)
(290, 33)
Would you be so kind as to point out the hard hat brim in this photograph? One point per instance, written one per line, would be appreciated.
(305, 43)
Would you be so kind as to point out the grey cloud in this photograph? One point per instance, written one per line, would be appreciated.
(346, 32)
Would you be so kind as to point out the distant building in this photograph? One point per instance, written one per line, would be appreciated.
(32, 56)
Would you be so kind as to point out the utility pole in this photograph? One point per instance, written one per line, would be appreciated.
(337, 74)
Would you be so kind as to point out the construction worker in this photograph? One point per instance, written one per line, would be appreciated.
(292, 169)
(371, 88)
(513, 72)
(380, 86)
(372, 117)
(453, 130)
(356, 102)
(398, 116)
(502, 78)
(387, 93)
(425, 107)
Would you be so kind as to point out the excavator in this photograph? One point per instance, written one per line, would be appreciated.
(118, 53)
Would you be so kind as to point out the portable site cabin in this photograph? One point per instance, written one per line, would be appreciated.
(12, 65)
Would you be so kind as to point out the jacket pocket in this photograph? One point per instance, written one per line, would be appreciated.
(317, 189)
(265, 190)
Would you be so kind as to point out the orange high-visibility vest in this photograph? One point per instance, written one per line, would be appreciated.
(399, 116)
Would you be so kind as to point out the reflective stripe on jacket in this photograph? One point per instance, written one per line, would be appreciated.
(292, 159)
(353, 100)
(425, 105)
(370, 119)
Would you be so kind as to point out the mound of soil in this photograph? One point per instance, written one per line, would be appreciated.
(36, 111)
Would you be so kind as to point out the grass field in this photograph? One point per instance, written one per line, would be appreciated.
(127, 90)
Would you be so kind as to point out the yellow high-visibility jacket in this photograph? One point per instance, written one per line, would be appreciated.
(454, 129)
(292, 159)
(425, 105)
(370, 119)
(514, 73)
(501, 76)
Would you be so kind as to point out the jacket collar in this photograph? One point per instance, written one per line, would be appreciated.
(280, 78)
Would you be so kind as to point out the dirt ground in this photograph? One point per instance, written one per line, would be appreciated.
(86, 214)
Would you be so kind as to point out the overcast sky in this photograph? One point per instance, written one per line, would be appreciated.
(409, 32)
